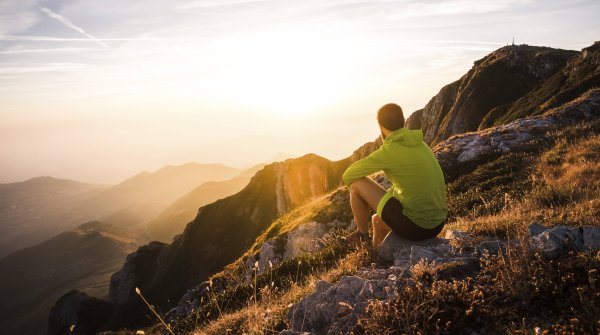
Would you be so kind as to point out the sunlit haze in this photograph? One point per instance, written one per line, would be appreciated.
(97, 91)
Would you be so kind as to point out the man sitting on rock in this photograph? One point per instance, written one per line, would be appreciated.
(415, 206)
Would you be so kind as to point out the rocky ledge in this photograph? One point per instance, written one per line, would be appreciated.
(518, 135)
(336, 308)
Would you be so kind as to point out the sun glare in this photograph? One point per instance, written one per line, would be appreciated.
(287, 74)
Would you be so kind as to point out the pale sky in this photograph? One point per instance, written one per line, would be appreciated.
(97, 91)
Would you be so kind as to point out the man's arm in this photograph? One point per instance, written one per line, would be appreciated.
(374, 162)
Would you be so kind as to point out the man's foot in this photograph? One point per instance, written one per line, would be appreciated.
(356, 239)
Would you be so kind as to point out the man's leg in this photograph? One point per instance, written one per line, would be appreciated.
(380, 230)
(365, 193)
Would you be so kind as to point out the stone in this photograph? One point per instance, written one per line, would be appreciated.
(418, 253)
(292, 332)
(459, 235)
(87, 314)
(536, 228)
(266, 257)
(591, 238)
(490, 247)
(303, 239)
(558, 240)
(394, 245)
(334, 309)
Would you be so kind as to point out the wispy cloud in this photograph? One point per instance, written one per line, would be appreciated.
(49, 50)
(205, 4)
(30, 38)
(49, 67)
(71, 25)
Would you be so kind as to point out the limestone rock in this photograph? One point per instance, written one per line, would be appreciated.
(591, 238)
(536, 228)
(334, 309)
(517, 135)
(558, 240)
(394, 247)
(457, 235)
(303, 239)
(490, 247)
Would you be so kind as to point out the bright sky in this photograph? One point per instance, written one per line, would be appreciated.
(100, 90)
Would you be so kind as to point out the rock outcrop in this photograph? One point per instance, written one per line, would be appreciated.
(335, 308)
(492, 84)
(136, 272)
(78, 313)
(561, 239)
(460, 150)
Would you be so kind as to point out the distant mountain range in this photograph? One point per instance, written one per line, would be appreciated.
(34, 278)
(85, 257)
(142, 197)
(39, 208)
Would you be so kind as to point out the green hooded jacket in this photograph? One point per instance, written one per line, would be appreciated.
(416, 177)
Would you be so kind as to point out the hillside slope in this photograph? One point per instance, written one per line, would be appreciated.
(34, 278)
(38, 208)
(223, 230)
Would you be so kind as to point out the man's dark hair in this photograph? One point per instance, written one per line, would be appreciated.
(390, 117)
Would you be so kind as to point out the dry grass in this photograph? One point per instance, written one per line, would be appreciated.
(266, 311)
(511, 294)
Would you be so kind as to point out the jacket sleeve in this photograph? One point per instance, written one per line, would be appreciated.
(374, 162)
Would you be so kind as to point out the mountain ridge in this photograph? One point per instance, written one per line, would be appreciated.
(496, 80)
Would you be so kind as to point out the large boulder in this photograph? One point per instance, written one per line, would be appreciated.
(78, 313)
(562, 239)
(334, 309)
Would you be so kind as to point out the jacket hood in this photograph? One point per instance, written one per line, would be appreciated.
(406, 137)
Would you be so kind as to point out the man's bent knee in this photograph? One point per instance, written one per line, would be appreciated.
(356, 185)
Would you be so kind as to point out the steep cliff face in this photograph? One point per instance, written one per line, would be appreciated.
(485, 92)
(580, 74)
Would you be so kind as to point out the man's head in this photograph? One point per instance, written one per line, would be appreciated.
(390, 118)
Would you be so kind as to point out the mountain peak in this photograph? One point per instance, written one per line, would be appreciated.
(490, 87)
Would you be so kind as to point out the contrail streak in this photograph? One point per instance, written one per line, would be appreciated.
(70, 24)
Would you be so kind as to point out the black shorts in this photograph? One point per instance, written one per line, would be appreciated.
(392, 216)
